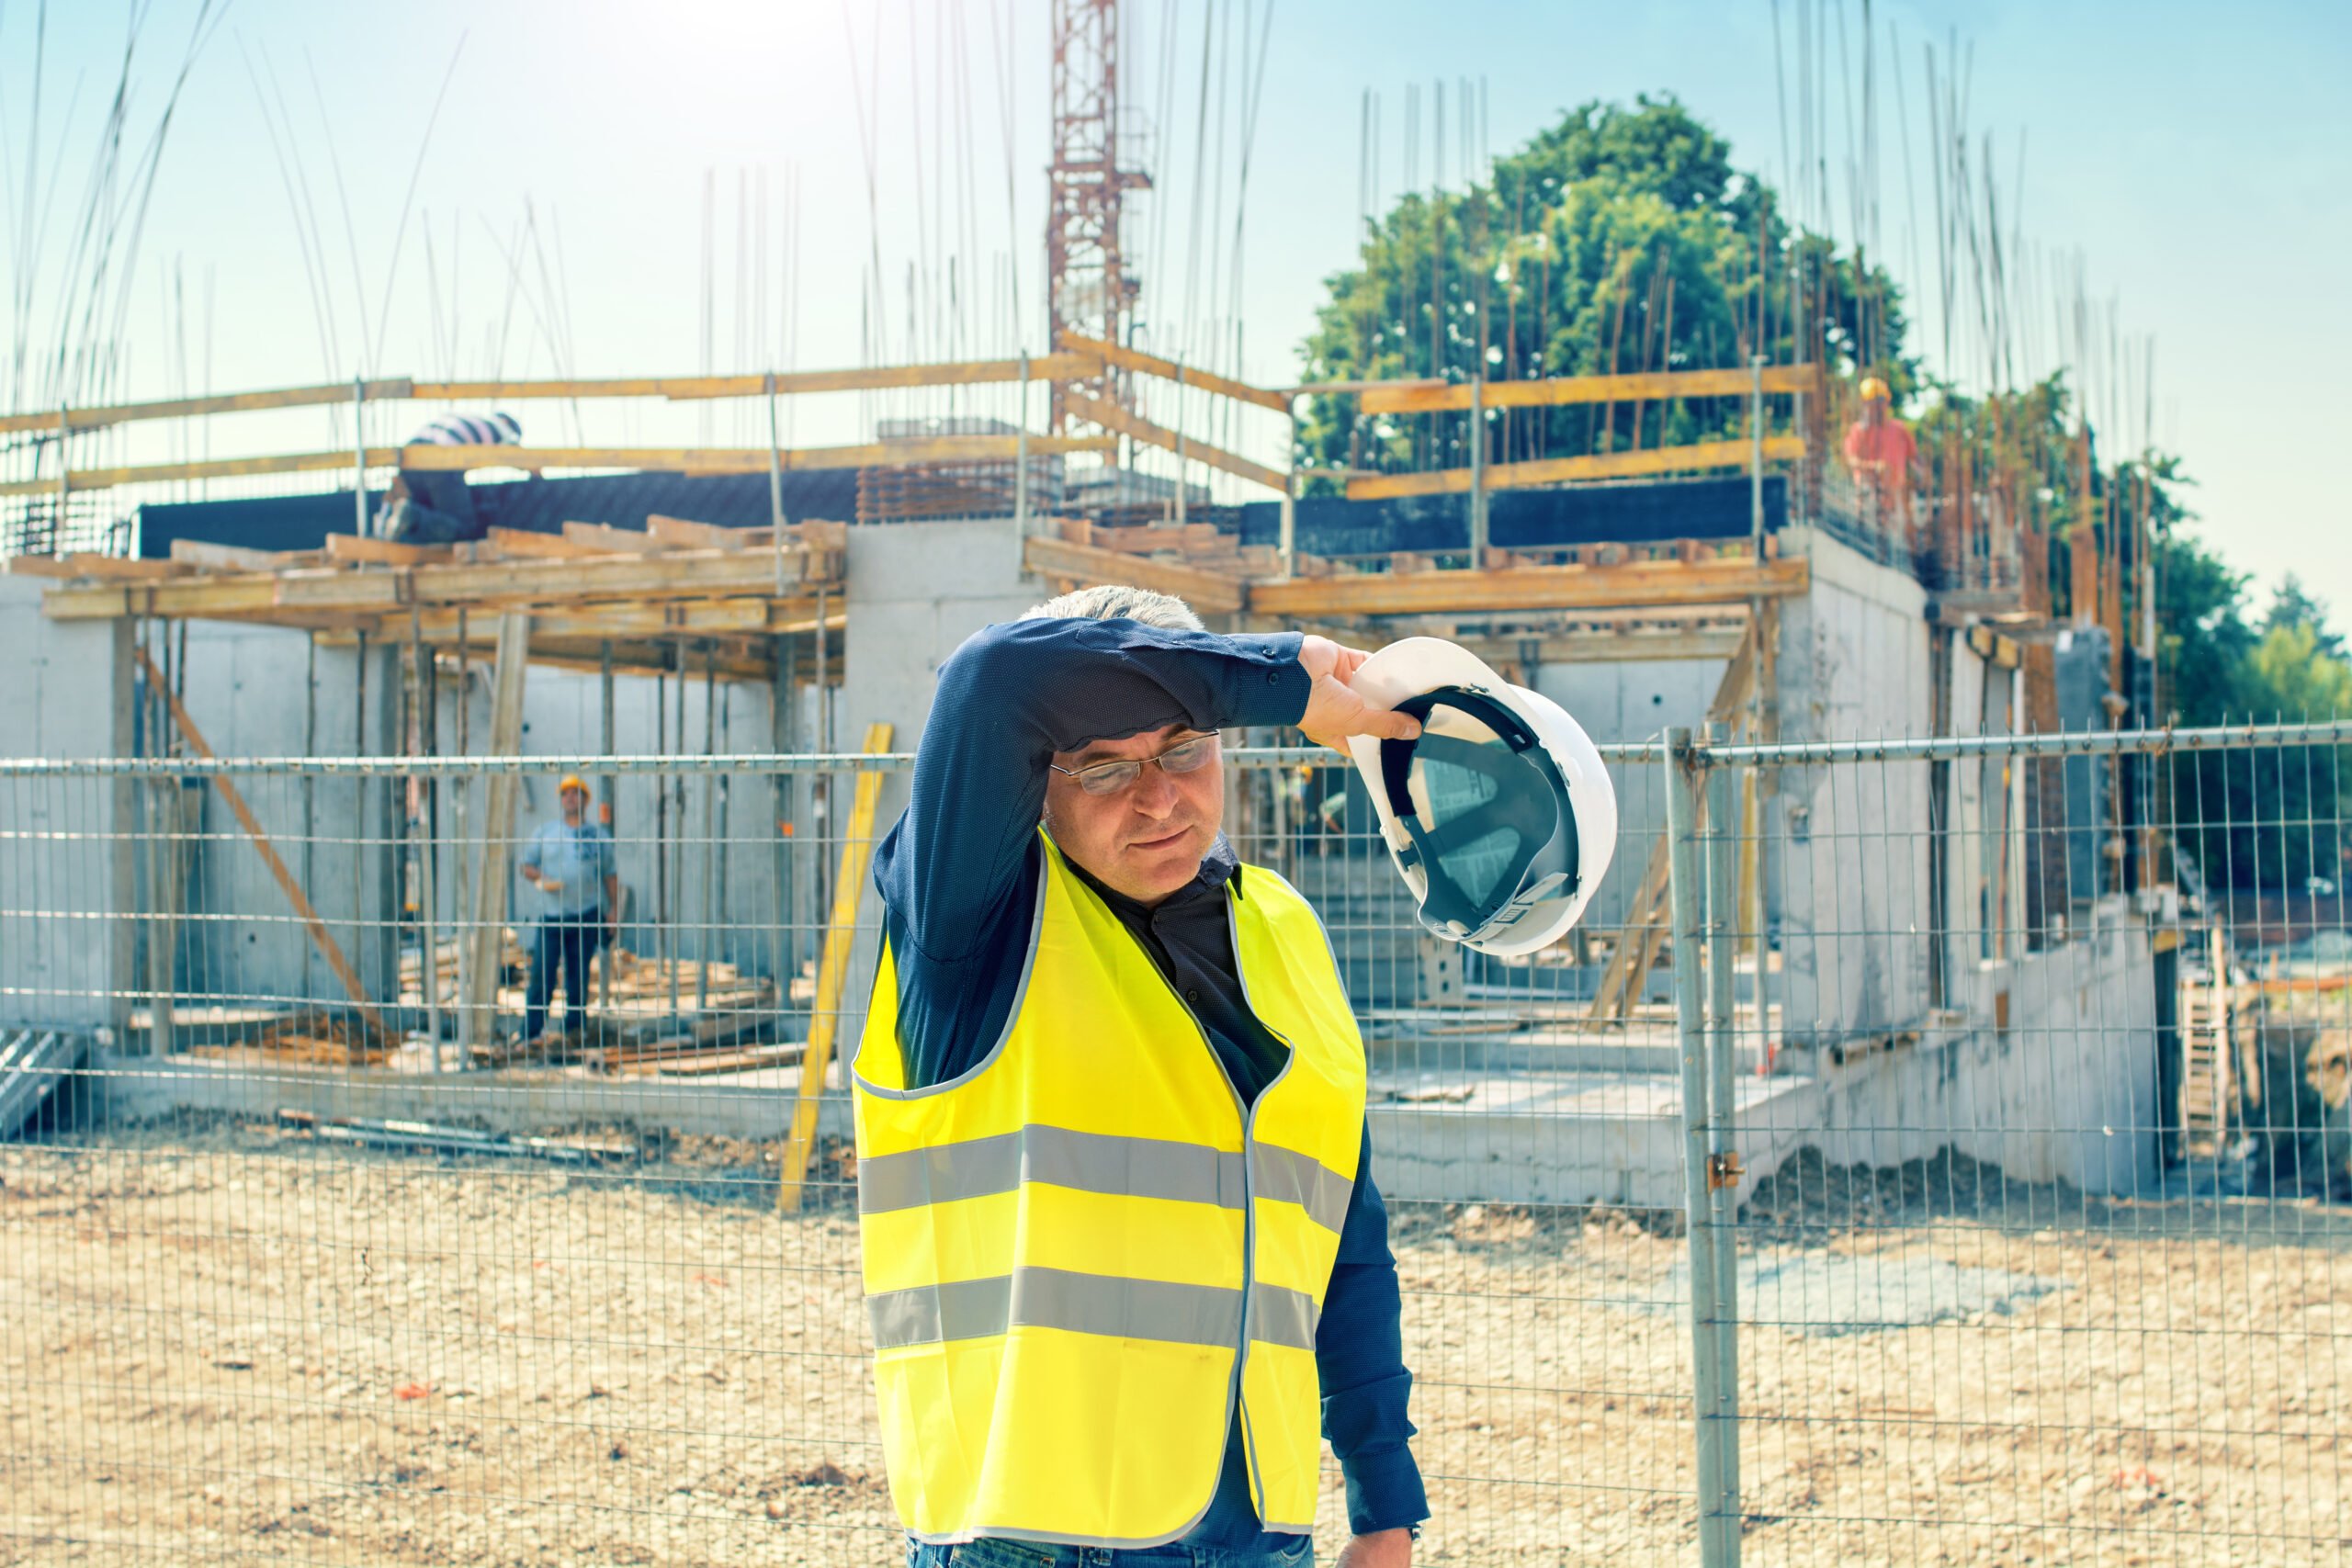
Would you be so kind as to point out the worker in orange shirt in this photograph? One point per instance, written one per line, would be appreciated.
(1881, 454)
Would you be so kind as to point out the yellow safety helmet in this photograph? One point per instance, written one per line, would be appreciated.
(1874, 390)
(572, 781)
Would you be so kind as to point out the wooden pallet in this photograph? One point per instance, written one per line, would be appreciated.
(2205, 1089)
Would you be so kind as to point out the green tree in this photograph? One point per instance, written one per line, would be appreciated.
(1620, 239)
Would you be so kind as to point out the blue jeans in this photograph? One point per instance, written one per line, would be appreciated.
(565, 940)
(994, 1554)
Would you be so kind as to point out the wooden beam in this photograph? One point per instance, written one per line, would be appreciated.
(1432, 397)
(487, 934)
(609, 540)
(300, 596)
(183, 408)
(679, 533)
(1562, 470)
(952, 373)
(833, 976)
(129, 568)
(206, 556)
(1724, 580)
(697, 460)
(319, 936)
(1167, 370)
(357, 549)
(1207, 591)
(531, 543)
(1111, 416)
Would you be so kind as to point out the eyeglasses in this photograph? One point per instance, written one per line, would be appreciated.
(1110, 778)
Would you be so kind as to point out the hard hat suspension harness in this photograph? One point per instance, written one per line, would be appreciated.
(1532, 817)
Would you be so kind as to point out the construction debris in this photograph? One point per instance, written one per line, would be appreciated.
(426, 1136)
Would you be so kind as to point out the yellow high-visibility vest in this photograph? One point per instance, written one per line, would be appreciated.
(1079, 1254)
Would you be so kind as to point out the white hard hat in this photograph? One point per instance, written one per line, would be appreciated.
(1500, 817)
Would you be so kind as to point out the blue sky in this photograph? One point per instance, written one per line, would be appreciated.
(2194, 159)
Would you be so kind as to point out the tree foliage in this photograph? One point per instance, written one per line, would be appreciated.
(1620, 239)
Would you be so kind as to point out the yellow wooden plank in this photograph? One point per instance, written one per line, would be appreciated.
(1111, 416)
(1433, 397)
(528, 542)
(427, 458)
(184, 408)
(1659, 583)
(207, 555)
(604, 536)
(833, 976)
(1167, 369)
(680, 533)
(1208, 591)
(382, 552)
(956, 373)
(122, 569)
(1562, 470)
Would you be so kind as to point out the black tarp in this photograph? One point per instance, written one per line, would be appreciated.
(540, 506)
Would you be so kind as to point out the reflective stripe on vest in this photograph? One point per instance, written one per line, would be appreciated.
(1078, 1256)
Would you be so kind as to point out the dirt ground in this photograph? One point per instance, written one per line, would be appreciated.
(233, 1342)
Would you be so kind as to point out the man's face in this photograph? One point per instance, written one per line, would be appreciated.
(1147, 840)
(575, 801)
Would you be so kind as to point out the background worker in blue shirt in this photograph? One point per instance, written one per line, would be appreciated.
(1115, 671)
(570, 862)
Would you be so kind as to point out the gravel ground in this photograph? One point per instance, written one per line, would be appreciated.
(233, 1342)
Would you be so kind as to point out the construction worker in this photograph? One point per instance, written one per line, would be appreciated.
(1124, 1262)
(570, 862)
(432, 506)
(1880, 453)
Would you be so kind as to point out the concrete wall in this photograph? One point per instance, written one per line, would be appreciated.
(255, 692)
(1849, 844)
(2065, 1092)
(65, 957)
(916, 591)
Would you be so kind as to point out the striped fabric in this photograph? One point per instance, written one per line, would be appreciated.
(468, 430)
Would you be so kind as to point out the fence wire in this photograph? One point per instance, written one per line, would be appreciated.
(1926, 1151)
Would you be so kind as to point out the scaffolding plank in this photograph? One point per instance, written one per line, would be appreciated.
(1434, 397)
(1647, 583)
(832, 976)
(1208, 591)
(1168, 370)
(1646, 464)
(1111, 416)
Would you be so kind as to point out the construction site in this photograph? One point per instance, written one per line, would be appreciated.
(1956, 1048)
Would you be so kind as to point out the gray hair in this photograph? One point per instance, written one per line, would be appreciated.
(1116, 601)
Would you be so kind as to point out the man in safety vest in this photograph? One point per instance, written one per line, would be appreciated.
(1124, 1263)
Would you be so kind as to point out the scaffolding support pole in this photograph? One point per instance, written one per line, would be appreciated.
(1290, 497)
(1756, 455)
(360, 455)
(1179, 445)
(64, 481)
(1021, 473)
(775, 489)
(1477, 472)
(428, 891)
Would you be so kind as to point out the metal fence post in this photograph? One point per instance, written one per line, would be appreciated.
(1722, 1162)
(1687, 896)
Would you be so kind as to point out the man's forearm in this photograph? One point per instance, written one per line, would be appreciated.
(1359, 1357)
(1010, 698)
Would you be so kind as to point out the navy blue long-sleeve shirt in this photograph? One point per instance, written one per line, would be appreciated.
(958, 880)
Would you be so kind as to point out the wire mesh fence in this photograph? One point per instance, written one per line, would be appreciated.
(1926, 1151)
